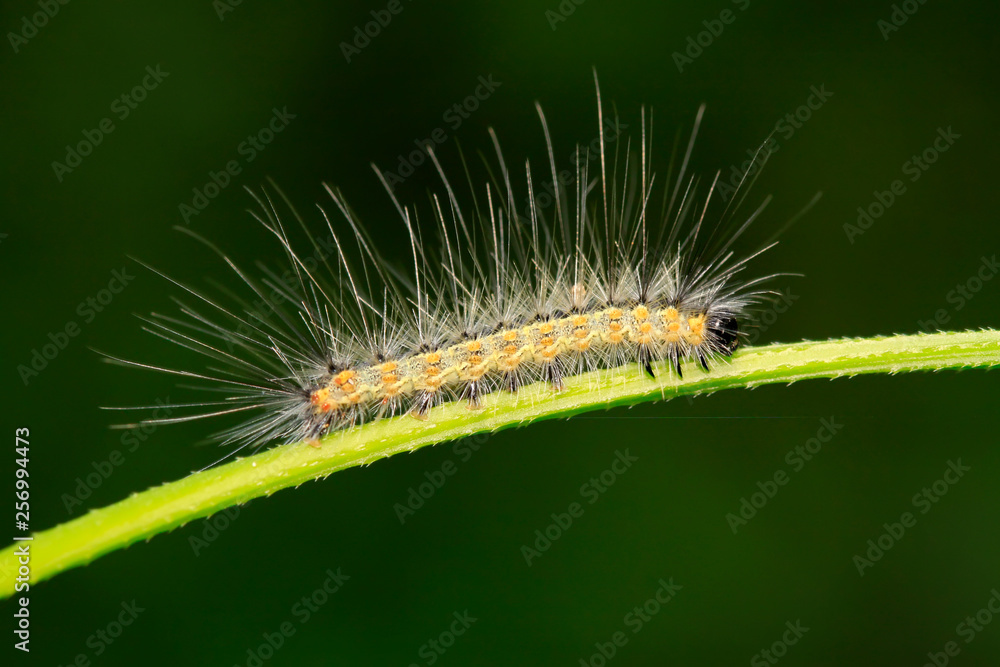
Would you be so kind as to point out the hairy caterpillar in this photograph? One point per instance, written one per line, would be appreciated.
(619, 270)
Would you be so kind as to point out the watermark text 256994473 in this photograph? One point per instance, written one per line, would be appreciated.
(22, 582)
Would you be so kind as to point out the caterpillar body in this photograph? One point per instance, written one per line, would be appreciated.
(621, 271)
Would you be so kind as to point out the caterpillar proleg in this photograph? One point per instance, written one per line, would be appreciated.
(627, 266)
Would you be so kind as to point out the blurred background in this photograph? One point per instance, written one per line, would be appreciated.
(852, 92)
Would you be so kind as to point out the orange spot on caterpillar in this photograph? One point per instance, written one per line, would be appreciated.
(510, 349)
(614, 314)
(645, 327)
(583, 345)
(580, 321)
(390, 378)
(616, 337)
(671, 314)
(581, 333)
(476, 359)
(509, 336)
(615, 326)
(474, 346)
(343, 378)
(545, 342)
(314, 443)
(431, 371)
(546, 328)
(433, 358)
(640, 313)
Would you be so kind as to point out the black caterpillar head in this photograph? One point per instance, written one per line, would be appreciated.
(727, 332)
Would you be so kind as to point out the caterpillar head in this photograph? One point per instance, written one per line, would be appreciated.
(727, 332)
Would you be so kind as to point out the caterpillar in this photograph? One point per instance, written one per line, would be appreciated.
(621, 268)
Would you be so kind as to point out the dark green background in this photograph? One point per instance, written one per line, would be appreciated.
(696, 459)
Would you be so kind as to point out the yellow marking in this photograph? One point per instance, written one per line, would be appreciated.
(579, 321)
(546, 328)
(390, 378)
(388, 367)
(431, 371)
(433, 358)
(581, 333)
(475, 359)
(674, 327)
(545, 342)
(509, 336)
(583, 345)
(510, 350)
(474, 346)
(671, 314)
(616, 337)
(641, 313)
(319, 396)
(343, 378)
(614, 314)
(550, 352)
(645, 327)
(615, 326)
(697, 323)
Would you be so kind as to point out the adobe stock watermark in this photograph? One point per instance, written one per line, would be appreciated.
(122, 106)
(758, 322)
(962, 294)
(212, 527)
(785, 127)
(418, 495)
(102, 638)
(565, 9)
(432, 650)
(363, 35)
(900, 14)
(302, 611)
(635, 620)
(30, 25)
(223, 7)
(248, 150)
(713, 29)
(590, 490)
(968, 629)
(796, 458)
(131, 440)
(551, 191)
(779, 649)
(454, 116)
(923, 500)
(914, 168)
(88, 310)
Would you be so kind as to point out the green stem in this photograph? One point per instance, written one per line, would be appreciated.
(162, 508)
